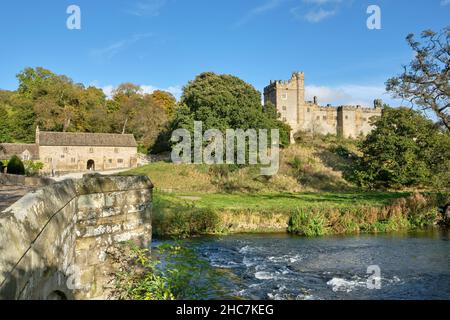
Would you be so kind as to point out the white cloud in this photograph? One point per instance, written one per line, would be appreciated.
(348, 94)
(445, 2)
(113, 49)
(265, 7)
(108, 90)
(315, 16)
(147, 8)
(148, 89)
(321, 2)
(315, 11)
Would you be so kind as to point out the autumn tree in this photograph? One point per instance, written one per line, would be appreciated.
(425, 81)
(166, 101)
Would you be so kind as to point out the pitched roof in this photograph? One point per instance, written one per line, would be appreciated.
(7, 150)
(47, 138)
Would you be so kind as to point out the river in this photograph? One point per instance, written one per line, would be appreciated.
(413, 265)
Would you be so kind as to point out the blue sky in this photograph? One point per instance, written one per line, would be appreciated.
(165, 43)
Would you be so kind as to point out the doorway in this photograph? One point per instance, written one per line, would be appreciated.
(91, 165)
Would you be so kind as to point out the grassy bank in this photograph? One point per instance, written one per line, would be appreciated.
(187, 214)
(308, 196)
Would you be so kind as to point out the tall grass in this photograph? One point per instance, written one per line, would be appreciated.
(174, 217)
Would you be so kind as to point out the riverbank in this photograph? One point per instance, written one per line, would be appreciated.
(311, 214)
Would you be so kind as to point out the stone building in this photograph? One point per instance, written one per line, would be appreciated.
(74, 152)
(308, 116)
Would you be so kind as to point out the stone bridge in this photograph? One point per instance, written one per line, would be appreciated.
(53, 241)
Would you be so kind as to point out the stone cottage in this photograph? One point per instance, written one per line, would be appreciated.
(74, 152)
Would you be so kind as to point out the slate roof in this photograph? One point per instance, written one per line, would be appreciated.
(7, 150)
(47, 138)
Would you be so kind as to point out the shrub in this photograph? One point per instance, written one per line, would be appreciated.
(172, 272)
(3, 165)
(32, 168)
(15, 166)
(182, 220)
(312, 223)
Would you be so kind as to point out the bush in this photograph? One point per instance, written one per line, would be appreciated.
(182, 220)
(15, 166)
(3, 165)
(32, 168)
(307, 223)
(172, 272)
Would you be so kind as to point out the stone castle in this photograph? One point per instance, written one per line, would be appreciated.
(309, 117)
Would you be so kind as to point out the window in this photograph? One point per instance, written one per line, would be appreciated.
(116, 150)
(307, 110)
(318, 118)
(324, 117)
(284, 119)
(48, 160)
(63, 156)
(66, 150)
(25, 156)
(346, 117)
(284, 108)
(91, 150)
(73, 160)
(364, 119)
(110, 160)
(119, 160)
(284, 96)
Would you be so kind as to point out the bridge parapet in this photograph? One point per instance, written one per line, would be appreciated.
(53, 241)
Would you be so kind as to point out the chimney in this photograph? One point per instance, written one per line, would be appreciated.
(315, 100)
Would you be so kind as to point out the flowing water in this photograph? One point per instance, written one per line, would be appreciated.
(279, 266)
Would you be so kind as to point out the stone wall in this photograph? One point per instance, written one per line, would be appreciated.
(75, 158)
(53, 241)
(18, 180)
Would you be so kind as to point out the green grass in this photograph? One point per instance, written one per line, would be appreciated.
(281, 201)
(309, 196)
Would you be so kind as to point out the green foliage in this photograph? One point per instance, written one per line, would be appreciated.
(5, 130)
(404, 150)
(182, 219)
(138, 278)
(32, 167)
(424, 82)
(226, 102)
(15, 166)
(188, 275)
(307, 223)
(3, 165)
(174, 272)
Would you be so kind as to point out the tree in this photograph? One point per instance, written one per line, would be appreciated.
(4, 125)
(404, 150)
(148, 123)
(15, 166)
(56, 99)
(166, 101)
(127, 98)
(425, 82)
(225, 102)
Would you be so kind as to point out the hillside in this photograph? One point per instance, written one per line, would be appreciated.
(311, 165)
